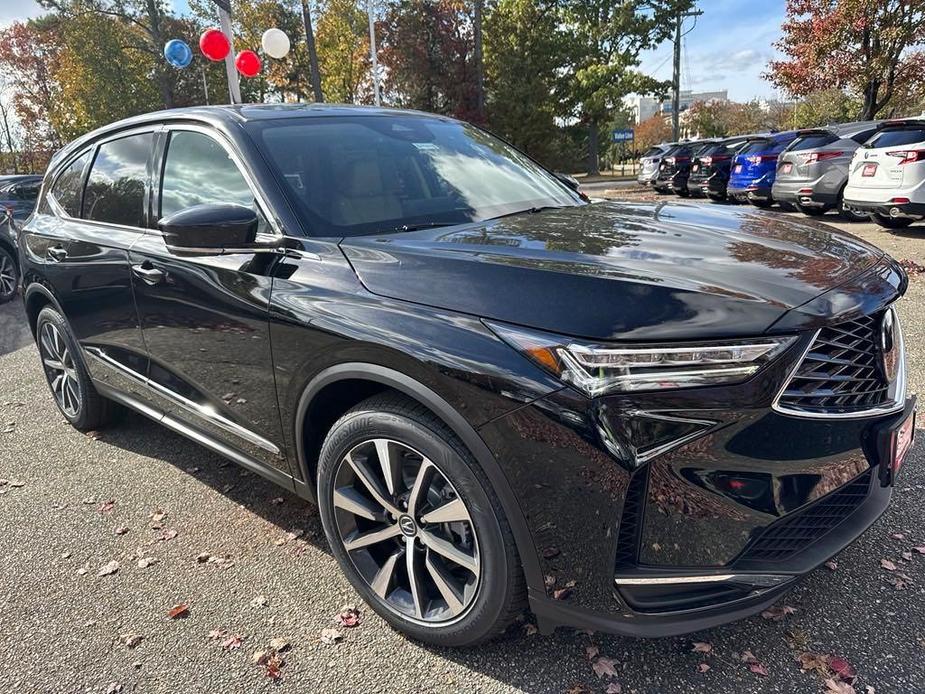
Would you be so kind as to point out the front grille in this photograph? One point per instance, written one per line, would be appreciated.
(840, 373)
(793, 533)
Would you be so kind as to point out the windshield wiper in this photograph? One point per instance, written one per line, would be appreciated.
(531, 210)
(425, 225)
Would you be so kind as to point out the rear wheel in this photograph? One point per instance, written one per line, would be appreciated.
(763, 204)
(67, 376)
(415, 525)
(848, 214)
(9, 276)
(891, 222)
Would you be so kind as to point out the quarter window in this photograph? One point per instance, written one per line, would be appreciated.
(199, 171)
(68, 187)
(116, 185)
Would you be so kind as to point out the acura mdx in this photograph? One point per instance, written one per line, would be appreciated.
(641, 418)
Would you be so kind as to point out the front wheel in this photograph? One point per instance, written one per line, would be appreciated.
(415, 525)
(891, 222)
(9, 276)
(67, 376)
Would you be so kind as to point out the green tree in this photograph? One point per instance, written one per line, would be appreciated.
(607, 40)
(343, 52)
(825, 106)
(524, 51)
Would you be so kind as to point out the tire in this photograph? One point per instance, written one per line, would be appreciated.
(891, 222)
(763, 204)
(848, 215)
(496, 592)
(788, 206)
(9, 276)
(82, 406)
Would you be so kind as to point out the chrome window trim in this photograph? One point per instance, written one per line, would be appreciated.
(202, 411)
(897, 388)
(264, 207)
(764, 580)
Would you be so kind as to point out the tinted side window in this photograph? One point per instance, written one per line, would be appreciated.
(27, 192)
(755, 146)
(863, 136)
(903, 136)
(198, 170)
(116, 184)
(68, 187)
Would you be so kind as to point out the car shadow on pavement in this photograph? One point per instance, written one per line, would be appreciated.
(14, 328)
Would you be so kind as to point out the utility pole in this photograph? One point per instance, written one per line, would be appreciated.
(312, 53)
(373, 55)
(676, 74)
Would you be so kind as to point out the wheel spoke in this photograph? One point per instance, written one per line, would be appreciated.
(389, 469)
(372, 538)
(419, 487)
(446, 590)
(383, 577)
(54, 364)
(48, 342)
(72, 391)
(451, 512)
(414, 580)
(449, 551)
(351, 500)
(364, 475)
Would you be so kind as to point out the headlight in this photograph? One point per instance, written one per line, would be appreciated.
(596, 369)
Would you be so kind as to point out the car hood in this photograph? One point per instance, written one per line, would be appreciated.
(630, 271)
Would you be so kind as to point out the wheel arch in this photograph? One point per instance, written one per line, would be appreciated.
(378, 378)
(36, 297)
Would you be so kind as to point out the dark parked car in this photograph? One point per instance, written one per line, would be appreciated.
(709, 174)
(17, 200)
(755, 166)
(675, 167)
(497, 394)
(813, 170)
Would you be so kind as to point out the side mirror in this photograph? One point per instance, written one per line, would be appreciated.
(570, 181)
(211, 226)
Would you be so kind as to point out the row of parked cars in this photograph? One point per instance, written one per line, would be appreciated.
(870, 169)
(17, 200)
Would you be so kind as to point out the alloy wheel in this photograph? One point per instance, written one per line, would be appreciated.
(59, 369)
(7, 276)
(407, 531)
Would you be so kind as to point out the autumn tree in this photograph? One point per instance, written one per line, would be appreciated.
(343, 51)
(607, 40)
(867, 47)
(652, 131)
(427, 53)
(715, 118)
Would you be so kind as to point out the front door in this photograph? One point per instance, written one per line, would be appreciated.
(205, 318)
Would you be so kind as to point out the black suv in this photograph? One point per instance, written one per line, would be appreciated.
(639, 418)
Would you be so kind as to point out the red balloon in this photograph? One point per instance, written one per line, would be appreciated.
(214, 44)
(248, 63)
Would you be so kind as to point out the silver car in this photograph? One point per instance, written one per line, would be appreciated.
(650, 161)
(813, 170)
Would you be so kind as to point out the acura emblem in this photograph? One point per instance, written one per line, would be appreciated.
(889, 353)
(408, 526)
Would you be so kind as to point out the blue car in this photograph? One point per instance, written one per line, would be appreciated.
(755, 166)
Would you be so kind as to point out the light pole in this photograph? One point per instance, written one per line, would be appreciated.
(372, 51)
(224, 20)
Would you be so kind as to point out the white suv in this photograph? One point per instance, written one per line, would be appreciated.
(887, 175)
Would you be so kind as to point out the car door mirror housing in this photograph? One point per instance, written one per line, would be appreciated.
(210, 226)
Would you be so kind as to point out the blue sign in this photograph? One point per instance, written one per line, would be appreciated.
(622, 135)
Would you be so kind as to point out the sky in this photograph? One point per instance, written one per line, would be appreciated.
(727, 48)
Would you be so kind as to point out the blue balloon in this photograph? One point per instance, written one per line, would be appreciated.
(178, 53)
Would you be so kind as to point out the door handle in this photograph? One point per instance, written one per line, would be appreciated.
(56, 254)
(150, 274)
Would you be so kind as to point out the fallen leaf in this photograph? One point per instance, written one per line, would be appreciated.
(604, 667)
(550, 552)
(108, 569)
(777, 613)
(113, 688)
(842, 668)
(271, 661)
(831, 565)
(107, 506)
(232, 642)
(898, 536)
(814, 661)
(702, 647)
(131, 639)
(838, 687)
(203, 557)
(17, 483)
(166, 535)
(217, 634)
(920, 549)
(899, 581)
(82, 571)
(758, 669)
(178, 611)
(145, 562)
(592, 651)
(349, 616)
(260, 601)
(121, 530)
(614, 688)
(907, 556)
(703, 667)
(65, 555)
(158, 516)
(549, 581)
(562, 593)
(331, 636)
(576, 689)
(887, 564)
(277, 500)
(530, 629)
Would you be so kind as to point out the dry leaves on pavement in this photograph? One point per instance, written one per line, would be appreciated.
(349, 616)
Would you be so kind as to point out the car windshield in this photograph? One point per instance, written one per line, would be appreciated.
(755, 146)
(357, 175)
(893, 137)
(811, 141)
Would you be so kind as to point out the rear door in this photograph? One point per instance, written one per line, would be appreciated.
(205, 317)
(890, 157)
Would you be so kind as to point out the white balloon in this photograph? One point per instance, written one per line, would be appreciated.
(275, 43)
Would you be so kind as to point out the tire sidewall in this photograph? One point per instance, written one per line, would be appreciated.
(491, 598)
(50, 315)
(5, 298)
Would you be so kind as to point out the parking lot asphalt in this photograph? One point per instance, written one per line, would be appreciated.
(161, 506)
